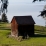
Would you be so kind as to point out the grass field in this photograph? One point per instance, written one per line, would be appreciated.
(39, 40)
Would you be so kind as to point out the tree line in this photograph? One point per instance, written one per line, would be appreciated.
(4, 18)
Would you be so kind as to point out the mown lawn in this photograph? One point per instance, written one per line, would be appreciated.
(32, 41)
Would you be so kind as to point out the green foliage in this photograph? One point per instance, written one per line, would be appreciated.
(4, 18)
(38, 0)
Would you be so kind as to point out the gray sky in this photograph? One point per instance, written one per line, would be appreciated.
(26, 7)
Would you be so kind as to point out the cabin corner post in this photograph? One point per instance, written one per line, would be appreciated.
(14, 33)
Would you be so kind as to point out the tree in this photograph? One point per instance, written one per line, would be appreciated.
(4, 6)
(43, 12)
(38, 0)
(4, 18)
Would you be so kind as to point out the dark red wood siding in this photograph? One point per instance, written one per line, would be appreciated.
(14, 27)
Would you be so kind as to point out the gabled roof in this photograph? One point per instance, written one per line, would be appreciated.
(24, 20)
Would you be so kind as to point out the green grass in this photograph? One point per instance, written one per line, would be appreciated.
(32, 41)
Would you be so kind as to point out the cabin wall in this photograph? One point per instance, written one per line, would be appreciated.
(14, 28)
(25, 30)
(30, 30)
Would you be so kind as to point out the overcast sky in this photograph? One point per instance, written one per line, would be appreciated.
(26, 7)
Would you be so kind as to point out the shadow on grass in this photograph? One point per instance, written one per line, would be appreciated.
(10, 45)
(5, 45)
(40, 30)
(39, 35)
(35, 35)
(4, 28)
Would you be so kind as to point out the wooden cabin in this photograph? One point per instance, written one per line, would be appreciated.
(22, 26)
